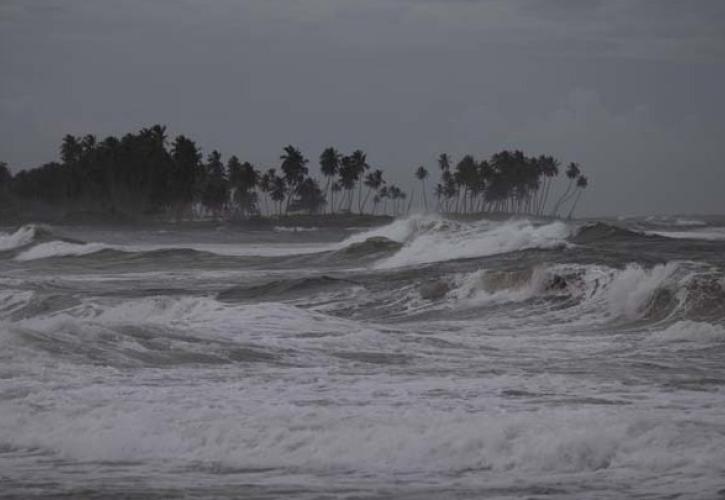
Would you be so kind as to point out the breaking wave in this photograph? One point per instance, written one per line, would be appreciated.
(428, 239)
(24, 236)
(59, 249)
(676, 289)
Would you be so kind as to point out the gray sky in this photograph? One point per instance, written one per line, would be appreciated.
(634, 90)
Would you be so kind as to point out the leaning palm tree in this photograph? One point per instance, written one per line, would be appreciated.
(373, 181)
(581, 184)
(572, 172)
(549, 169)
(421, 174)
(376, 201)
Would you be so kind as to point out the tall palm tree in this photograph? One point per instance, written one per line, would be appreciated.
(243, 179)
(550, 169)
(360, 165)
(421, 174)
(384, 194)
(265, 186)
(278, 192)
(348, 177)
(294, 169)
(329, 165)
(334, 188)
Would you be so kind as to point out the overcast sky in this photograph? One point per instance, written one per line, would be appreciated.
(634, 90)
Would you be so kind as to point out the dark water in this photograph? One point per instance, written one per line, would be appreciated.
(426, 359)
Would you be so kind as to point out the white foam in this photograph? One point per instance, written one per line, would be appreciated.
(713, 233)
(295, 229)
(19, 238)
(690, 331)
(476, 288)
(236, 426)
(600, 293)
(60, 249)
(12, 300)
(400, 230)
(67, 249)
(632, 289)
(432, 239)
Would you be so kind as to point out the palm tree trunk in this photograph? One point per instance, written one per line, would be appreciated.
(561, 200)
(359, 197)
(367, 195)
(571, 212)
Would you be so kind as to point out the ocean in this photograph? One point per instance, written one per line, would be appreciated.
(428, 358)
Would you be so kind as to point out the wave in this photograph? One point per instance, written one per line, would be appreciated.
(668, 220)
(598, 231)
(371, 246)
(294, 229)
(19, 238)
(59, 249)
(428, 239)
(284, 288)
(24, 236)
(592, 292)
(710, 234)
(264, 435)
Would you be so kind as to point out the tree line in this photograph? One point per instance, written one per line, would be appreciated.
(145, 173)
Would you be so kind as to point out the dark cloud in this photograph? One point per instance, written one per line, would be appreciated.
(632, 89)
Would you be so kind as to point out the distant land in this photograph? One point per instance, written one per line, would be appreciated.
(143, 177)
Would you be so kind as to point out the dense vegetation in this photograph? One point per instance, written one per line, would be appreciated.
(142, 174)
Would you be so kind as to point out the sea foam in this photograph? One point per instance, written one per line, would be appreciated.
(19, 238)
(428, 239)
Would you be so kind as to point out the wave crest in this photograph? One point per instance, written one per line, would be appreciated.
(427, 239)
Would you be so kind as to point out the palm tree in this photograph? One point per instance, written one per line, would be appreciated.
(265, 185)
(360, 165)
(334, 188)
(329, 165)
(348, 178)
(215, 192)
(581, 184)
(70, 150)
(294, 169)
(309, 197)
(439, 190)
(376, 201)
(572, 172)
(373, 181)
(243, 179)
(421, 174)
(384, 194)
(444, 162)
(278, 192)
(550, 169)
(186, 159)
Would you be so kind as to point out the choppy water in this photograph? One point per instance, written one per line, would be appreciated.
(426, 359)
